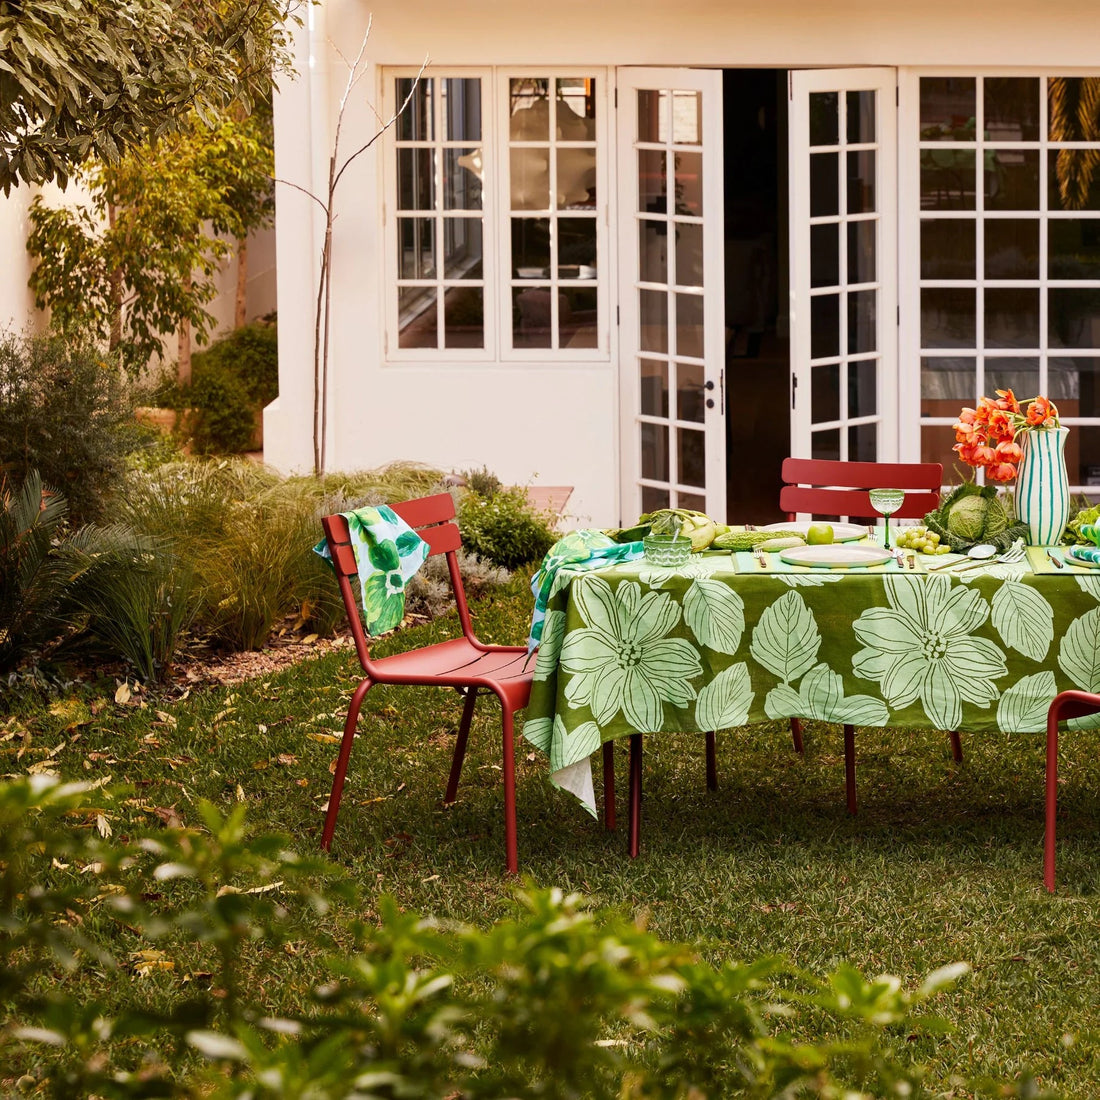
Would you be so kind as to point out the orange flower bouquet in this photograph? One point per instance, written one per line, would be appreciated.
(987, 435)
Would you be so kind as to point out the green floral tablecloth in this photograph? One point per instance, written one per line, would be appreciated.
(635, 648)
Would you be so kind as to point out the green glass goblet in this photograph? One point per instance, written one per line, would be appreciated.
(886, 502)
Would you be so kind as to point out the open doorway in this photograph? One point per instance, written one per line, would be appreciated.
(757, 378)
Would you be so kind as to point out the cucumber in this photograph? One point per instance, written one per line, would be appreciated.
(783, 543)
(746, 540)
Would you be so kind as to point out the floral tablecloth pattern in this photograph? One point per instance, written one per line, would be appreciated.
(635, 648)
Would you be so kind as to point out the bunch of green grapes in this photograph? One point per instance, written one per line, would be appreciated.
(921, 540)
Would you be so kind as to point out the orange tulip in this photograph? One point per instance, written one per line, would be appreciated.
(1001, 471)
(1008, 451)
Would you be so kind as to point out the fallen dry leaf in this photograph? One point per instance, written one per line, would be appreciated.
(144, 963)
(123, 694)
(168, 815)
(286, 758)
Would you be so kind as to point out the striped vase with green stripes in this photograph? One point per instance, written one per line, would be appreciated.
(1042, 488)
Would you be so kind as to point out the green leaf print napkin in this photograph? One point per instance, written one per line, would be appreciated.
(387, 552)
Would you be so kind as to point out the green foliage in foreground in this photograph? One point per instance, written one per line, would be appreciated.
(552, 1001)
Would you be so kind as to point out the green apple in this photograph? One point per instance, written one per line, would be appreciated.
(819, 534)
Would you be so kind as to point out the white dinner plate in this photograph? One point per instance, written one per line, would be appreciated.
(1075, 560)
(842, 532)
(835, 557)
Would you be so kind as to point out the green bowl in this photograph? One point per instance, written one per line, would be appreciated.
(667, 550)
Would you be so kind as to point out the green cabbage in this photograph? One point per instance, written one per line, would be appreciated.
(971, 514)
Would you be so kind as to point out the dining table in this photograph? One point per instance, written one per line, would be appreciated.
(734, 638)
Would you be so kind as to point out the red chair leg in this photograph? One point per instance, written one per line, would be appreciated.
(1052, 797)
(508, 746)
(342, 762)
(635, 793)
(956, 746)
(796, 734)
(712, 763)
(850, 766)
(460, 745)
(609, 786)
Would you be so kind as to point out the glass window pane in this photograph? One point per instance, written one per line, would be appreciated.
(1011, 318)
(862, 329)
(947, 108)
(415, 248)
(689, 325)
(415, 180)
(462, 251)
(578, 319)
(861, 182)
(1083, 457)
(825, 444)
(415, 123)
(1075, 385)
(652, 117)
(863, 443)
(1012, 179)
(687, 118)
(936, 441)
(530, 184)
(653, 251)
(653, 317)
(531, 248)
(576, 248)
(824, 185)
(947, 317)
(1073, 317)
(945, 383)
(1019, 375)
(691, 456)
(654, 387)
(1064, 96)
(861, 117)
(1073, 182)
(1074, 248)
(824, 118)
(463, 317)
(1011, 108)
(947, 249)
(863, 388)
(825, 255)
(530, 109)
(948, 179)
(824, 326)
(461, 179)
(654, 498)
(862, 264)
(689, 254)
(691, 500)
(690, 395)
(576, 178)
(532, 317)
(652, 181)
(825, 393)
(461, 108)
(1012, 248)
(417, 308)
(688, 182)
(577, 96)
(655, 451)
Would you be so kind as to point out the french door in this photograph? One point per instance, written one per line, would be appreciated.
(671, 317)
(843, 263)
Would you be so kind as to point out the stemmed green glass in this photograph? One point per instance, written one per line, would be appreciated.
(886, 502)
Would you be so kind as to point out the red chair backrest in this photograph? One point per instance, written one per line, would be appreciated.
(826, 487)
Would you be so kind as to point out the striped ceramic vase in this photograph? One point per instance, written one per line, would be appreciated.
(1042, 488)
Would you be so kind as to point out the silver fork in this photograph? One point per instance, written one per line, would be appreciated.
(1012, 555)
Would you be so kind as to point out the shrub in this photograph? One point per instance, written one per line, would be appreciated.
(220, 418)
(65, 413)
(251, 355)
(504, 529)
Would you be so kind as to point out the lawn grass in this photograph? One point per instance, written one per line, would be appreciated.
(942, 863)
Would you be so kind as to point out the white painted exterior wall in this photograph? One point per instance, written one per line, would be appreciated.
(547, 421)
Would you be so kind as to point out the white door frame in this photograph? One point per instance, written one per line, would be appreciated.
(711, 363)
(802, 84)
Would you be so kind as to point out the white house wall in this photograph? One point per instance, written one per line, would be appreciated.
(546, 421)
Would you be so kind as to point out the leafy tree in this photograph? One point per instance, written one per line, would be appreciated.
(99, 77)
(140, 260)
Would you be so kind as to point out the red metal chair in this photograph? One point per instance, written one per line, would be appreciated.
(1069, 704)
(463, 663)
(825, 487)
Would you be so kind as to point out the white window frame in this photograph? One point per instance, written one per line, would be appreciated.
(496, 222)
(909, 281)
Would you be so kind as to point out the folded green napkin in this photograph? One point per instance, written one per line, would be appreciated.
(387, 553)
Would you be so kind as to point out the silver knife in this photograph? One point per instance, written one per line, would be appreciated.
(1057, 561)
